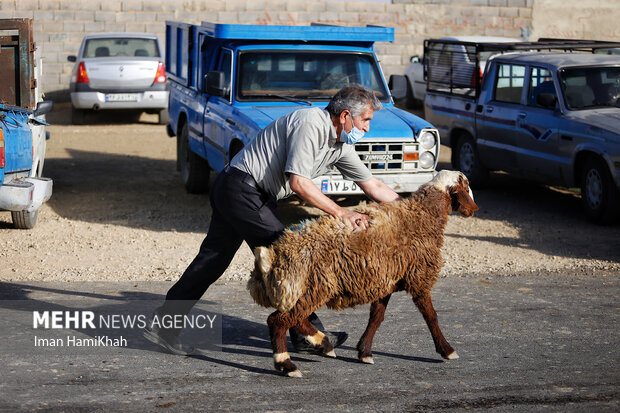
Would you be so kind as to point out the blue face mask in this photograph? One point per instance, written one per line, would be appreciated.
(352, 137)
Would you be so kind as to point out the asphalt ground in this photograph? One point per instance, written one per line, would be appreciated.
(538, 343)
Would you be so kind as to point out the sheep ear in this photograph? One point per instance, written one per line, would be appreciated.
(466, 205)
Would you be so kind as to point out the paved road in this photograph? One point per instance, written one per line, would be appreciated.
(525, 344)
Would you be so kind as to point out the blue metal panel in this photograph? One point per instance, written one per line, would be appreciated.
(17, 139)
(299, 33)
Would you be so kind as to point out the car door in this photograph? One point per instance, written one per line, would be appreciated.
(218, 122)
(496, 118)
(537, 136)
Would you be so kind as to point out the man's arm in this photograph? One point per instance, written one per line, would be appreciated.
(378, 191)
(312, 195)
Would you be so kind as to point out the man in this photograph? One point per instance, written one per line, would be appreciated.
(282, 160)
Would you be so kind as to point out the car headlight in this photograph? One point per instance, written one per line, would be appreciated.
(427, 160)
(428, 140)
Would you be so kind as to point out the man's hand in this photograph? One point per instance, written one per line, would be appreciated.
(312, 195)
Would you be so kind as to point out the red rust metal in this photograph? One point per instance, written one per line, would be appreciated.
(17, 63)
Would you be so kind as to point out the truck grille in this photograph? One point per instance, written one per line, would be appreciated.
(385, 156)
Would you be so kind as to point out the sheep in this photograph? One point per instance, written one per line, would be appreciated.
(323, 262)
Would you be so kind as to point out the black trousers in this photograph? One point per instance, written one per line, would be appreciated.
(241, 212)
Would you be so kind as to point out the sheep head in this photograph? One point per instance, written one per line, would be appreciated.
(456, 185)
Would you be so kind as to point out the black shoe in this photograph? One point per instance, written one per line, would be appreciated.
(168, 342)
(336, 338)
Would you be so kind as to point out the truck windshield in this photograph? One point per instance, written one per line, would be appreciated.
(318, 76)
(106, 47)
(589, 87)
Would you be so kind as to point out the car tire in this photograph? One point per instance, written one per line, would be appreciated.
(465, 158)
(411, 102)
(194, 170)
(599, 195)
(24, 219)
(164, 117)
(77, 116)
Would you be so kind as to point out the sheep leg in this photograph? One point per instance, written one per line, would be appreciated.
(364, 346)
(425, 305)
(278, 325)
(315, 337)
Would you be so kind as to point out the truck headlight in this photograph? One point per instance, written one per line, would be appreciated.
(428, 140)
(427, 160)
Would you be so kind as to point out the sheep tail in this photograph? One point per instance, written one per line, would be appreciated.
(263, 258)
(273, 288)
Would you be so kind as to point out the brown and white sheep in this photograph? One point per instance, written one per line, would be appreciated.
(325, 263)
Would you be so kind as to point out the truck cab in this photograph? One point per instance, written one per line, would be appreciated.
(227, 82)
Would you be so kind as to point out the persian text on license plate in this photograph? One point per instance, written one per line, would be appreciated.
(339, 186)
(121, 97)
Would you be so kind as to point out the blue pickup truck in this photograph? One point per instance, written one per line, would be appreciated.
(22, 126)
(228, 81)
(547, 111)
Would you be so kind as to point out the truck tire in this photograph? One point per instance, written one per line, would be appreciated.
(410, 101)
(77, 116)
(599, 195)
(24, 219)
(164, 117)
(194, 170)
(465, 158)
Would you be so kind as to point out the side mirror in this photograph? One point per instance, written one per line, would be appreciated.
(415, 59)
(72, 58)
(398, 86)
(546, 100)
(215, 83)
(43, 107)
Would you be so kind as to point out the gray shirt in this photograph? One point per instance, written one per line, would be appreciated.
(302, 143)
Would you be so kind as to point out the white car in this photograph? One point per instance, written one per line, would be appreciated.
(119, 71)
(416, 84)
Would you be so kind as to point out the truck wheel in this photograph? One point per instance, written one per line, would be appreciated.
(411, 102)
(24, 219)
(164, 117)
(194, 170)
(465, 158)
(599, 195)
(77, 116)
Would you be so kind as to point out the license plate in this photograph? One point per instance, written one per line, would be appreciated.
(339, 186)
(121, 97)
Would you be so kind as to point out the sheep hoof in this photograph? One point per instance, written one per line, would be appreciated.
(452, 356)
(331, 354)
(294, 373)
(367, 360)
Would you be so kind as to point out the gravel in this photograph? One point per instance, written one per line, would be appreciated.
(119, 212)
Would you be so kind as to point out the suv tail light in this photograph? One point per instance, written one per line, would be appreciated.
(82, 76)
(2, 159)
(160, 76)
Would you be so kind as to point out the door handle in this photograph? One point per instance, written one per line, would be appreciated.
(489, 108)
(522, 115)
(231, 122)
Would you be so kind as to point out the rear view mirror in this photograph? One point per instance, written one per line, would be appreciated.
(415, 59)
(546, 100)
(72, 58)
(43, 107)
(215, 83)
(398, 86)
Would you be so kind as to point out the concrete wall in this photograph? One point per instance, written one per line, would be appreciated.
(61, 24)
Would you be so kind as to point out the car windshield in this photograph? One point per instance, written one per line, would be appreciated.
(277, 75)
(112, 47)
(590, 87)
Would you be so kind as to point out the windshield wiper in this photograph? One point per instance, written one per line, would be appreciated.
(284, 97)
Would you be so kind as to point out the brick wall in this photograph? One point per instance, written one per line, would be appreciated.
(61, 24)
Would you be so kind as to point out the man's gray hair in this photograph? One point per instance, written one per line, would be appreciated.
(355, 98)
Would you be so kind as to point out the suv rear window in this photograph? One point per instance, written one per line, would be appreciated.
(112, 47)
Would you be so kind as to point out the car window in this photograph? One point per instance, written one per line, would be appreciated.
(509, 83)
(226, 66)
(305, 74)
(113, 47)
(586, 87)
(541, 81)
